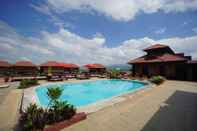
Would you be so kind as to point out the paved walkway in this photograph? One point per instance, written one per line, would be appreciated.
(4, 91)
(9, 109)
(169, 107)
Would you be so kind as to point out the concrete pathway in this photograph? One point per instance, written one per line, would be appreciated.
(9, 110)
(4, 91)
(169, 107)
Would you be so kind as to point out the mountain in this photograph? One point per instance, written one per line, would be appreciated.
(122, 67)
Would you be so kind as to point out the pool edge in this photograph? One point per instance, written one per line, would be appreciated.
(30, 96)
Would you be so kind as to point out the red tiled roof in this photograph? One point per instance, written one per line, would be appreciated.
(4, 64)
(156, 46)
(160, 58)
(58, 64)
(94, 66)
(50, 64)
(68, 65)
(24, 64)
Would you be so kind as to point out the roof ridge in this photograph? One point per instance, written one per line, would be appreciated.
(156, 46)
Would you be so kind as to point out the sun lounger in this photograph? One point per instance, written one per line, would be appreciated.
(70, 76)
(82, 76)
(55, 78)
(4, 86)
(103, 76)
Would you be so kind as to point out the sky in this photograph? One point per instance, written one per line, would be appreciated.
(94, 31)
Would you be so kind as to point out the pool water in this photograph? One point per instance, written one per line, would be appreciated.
(84, 93)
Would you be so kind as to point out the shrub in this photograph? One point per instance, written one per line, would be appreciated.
(22, 84)
(157, 79)
(59, 110)
(49, 71)
(33, 82)
(33, 118)
(114, 74)
(27, 83)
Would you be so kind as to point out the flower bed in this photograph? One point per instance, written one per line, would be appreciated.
(60, 125)
(58, 114)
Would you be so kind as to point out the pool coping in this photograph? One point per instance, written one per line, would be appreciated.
(94, 107)
(29, 96)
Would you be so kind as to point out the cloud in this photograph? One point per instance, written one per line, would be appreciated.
(186, 45)
(45, 9)
(121, 10)
(185, 23)
(161, 30)
(25, 58)
(15, 46)
(42, 8)
(194, 30)
(67, 46)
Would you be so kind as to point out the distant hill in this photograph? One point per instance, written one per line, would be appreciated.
(122, 67)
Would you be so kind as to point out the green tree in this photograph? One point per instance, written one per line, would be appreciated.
(54, 94)
(49, 70)
(114, 73)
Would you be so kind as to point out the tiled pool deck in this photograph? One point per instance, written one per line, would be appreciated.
(171, 106)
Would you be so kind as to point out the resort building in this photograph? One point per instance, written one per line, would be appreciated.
(162, 60)
(70, 68)
(4, 68)
(24, 68)
(192, 70)
(96, 68)
(52, 67)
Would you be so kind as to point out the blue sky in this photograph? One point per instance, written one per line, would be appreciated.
(89, 31)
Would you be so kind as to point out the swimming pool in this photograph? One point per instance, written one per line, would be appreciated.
(88, 92)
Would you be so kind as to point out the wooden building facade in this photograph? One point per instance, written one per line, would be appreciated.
(162, 60)
(24, 68)
(52, 67)
(96, 69)
(4, 68)
(70, 68)
(58, 68)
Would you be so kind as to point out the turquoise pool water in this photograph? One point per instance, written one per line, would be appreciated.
(84, 93)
